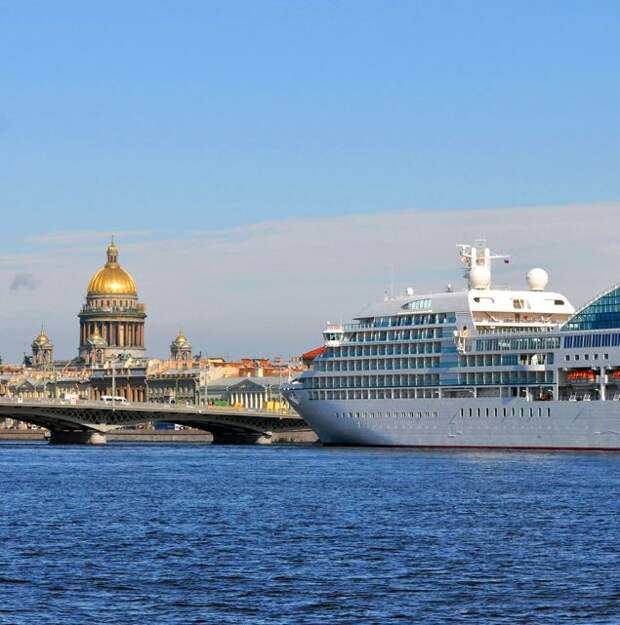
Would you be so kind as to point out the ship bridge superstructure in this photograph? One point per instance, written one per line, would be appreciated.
(479, 341)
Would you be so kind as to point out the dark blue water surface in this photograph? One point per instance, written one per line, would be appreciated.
(204, 534)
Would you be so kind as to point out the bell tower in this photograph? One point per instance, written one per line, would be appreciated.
(42, 351)
(181, 348)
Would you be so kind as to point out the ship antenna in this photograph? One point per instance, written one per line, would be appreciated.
(476, 260)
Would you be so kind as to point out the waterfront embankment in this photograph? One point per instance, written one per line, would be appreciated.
(306, 436)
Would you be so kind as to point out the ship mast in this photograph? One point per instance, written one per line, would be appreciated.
(476, 260)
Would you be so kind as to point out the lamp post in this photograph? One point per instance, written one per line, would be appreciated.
(114, 384)
(111, 364)
(206, 400)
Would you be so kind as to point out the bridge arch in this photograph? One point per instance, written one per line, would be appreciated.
(90, 421)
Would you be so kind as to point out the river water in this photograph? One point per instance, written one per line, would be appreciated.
(175, 534)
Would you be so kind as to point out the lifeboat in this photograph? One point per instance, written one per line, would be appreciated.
(581, 376)
(615, 375)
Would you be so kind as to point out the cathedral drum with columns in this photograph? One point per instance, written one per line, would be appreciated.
(112, 319)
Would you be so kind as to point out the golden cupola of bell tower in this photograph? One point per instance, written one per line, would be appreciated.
(112, 317)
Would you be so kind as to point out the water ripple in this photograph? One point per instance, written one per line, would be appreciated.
(199, 534)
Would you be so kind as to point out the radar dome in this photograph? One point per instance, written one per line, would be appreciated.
(479, 277)
(537, 279)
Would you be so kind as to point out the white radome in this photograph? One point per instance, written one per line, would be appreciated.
(537, 279)
(479, 277)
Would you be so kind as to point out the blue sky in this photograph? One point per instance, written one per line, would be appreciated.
(172, 116)
(156, 120)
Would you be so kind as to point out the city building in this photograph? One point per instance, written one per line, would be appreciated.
(120, 378)
(112, 318)
(250, 367)
(67, 385)
(29, 388)
(179, 386)
(262, 393)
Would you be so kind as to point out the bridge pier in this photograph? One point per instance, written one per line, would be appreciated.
(241, 438)
(77, 437)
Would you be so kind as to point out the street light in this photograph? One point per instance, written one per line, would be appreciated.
(112, 364)
(206, 403)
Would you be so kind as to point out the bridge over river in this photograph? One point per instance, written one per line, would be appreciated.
(88, 422)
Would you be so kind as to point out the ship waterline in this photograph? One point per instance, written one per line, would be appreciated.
(517, 424)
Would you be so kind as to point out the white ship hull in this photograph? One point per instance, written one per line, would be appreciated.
(463, 423)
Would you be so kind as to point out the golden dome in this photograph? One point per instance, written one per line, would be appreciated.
(112, 279)
(181, 339)
(42, 339)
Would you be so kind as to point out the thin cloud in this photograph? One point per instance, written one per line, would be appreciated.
(72, 237)
(271, 287)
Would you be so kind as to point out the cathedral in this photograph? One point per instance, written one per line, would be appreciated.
(112, 318)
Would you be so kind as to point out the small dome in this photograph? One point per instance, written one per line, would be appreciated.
(42, 338)
(181, 340)
(537, 279)
(112, 279)
(479, 277)
(96, 340)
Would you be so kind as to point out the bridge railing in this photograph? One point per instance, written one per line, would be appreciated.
(148, 406)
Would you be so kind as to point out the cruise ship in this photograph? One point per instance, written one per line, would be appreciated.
(483, 367)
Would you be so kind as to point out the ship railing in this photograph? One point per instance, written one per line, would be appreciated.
(518, 322)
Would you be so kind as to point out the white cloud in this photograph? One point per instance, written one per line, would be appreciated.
(269, 288)
(75, 237)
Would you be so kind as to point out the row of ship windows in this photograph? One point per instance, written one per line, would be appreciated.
(464, 412)
(506, 360)
(382, 350)
(408, 320)
(371, 381)
(411, 414)
(579, 341)
(426, 379)
(505, 412)
(377, 336)
(418, 304)
(506, 377)
(524, 343)
(405, 393)
(429, 362)
(585, 357)
(365, 394)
